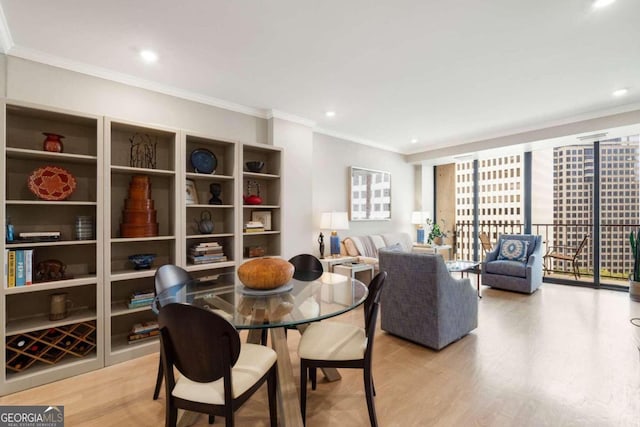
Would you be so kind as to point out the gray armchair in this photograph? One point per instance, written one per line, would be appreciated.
(422, 302)
(513, 275)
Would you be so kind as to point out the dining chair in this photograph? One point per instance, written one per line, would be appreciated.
(218, 372)
(307, 269)
(342, 345)
(167, 276)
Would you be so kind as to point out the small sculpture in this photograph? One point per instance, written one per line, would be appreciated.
(215, 190)
(52, 142)
(321, 242)
(252, 199)
(142, 152)
(51, 269)
(205, 225)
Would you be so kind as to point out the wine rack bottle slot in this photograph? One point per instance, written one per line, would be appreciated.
(50, 345)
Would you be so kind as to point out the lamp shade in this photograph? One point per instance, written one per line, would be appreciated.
(418, 217)
(334, 221)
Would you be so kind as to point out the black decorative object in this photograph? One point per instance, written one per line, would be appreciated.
(215, 190)
(142, 152)
(255, 166)
(203, 161)
(321, 242)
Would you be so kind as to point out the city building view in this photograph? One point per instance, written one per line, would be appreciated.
(570, 186)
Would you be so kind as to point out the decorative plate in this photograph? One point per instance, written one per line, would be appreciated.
(203, 161)
(265, 292)
(52, 183)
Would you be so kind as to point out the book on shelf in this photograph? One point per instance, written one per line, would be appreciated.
(20, 277)
(142, 327)
(207, 244)
(136, 295)
(11, 273)
(206, 260)
(209, 250)
(209, 256)
(137, 337)
(254, 227)
(141, 302)
(51, 234)
(28, 266)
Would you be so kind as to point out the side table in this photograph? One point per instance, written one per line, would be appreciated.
(444, 250)
(329, 262)
(352, 270)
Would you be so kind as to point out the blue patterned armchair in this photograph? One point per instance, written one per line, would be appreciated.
(514, 264)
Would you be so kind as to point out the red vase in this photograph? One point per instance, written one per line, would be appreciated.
(52, 142)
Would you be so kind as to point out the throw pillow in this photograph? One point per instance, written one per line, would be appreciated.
(513, 250)
(395, 248)
(350, 247)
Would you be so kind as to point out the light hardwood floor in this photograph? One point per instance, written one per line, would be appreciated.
(561, 357)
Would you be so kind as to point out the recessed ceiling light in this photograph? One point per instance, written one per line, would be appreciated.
(149, 55)
(330, 114)
(598, 4)
(414, 140)
(620, 92)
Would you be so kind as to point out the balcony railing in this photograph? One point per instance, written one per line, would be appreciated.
(616, 260)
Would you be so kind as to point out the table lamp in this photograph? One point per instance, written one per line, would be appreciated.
(419, 218)
(334, 221)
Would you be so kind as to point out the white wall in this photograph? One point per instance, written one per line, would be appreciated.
(332, 158)
(46, 85)
(296, 140)
(316, 166)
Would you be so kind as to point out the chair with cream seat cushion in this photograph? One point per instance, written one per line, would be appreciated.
(218, 372)
(167, 276)
(339, 345)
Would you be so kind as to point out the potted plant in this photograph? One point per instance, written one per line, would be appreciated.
(634, 277)
(436, 235)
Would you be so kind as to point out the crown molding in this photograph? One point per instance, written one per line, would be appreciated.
(277, 114)
(6, 41)
(80, 67)
(357, 140)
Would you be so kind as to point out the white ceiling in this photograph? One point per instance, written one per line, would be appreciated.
(445, 73)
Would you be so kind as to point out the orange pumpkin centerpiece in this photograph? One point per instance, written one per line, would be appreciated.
(265, 273)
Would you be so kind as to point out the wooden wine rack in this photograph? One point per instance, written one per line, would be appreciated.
(50, 345)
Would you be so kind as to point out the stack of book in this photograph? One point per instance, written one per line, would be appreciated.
(141, 299)
(142, 331)
(254, 227)
(207, 252)
(18, 267)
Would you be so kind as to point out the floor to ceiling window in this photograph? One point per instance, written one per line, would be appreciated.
(585, 200)
(619, 189)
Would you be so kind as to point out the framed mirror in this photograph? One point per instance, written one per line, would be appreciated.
(370, 197)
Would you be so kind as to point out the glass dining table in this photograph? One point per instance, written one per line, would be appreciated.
(297, 303)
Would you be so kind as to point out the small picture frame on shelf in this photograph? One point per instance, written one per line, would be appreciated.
(264, 217)
(191, 196)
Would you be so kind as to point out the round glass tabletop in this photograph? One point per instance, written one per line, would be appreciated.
(295, 303)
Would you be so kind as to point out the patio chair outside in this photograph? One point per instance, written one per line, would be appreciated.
(565, 254)
(485, 242)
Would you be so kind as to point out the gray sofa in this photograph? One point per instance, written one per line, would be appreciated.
(422, 302)
(520, 276)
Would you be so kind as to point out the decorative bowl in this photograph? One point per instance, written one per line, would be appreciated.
(265, 273)
(142, 261)
(254, 166)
